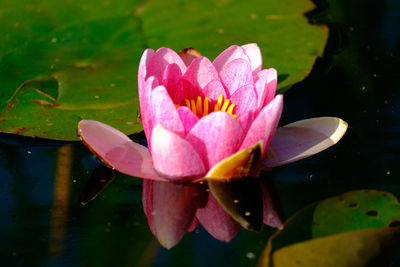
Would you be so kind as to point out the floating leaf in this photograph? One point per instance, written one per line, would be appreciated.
(356, 249)
(335, 231)
(82, 69)
(61, 62)
(355, 210)
(287, 41)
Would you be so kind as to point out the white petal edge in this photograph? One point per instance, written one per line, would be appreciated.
(302, 139)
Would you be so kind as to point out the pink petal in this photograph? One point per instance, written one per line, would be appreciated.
(145, 107)
(164, 111)
(246, 119)
(161, 58)
(200, 72)
(170, 209)
(188, 118)
(216, 221)
(215, 137)
(185, 90)
(304, 138)
(236, 74)
(254, 54)
(171, 78)
(213, 89)
(272, 210)
(231, 53)
(266, 86)
(263, 127)
(245, 99)
(174, 157)
(144, 61)
(116, 149)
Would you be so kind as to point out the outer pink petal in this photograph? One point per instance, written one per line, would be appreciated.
(272, 211)
(171, 78)
(117, 150)
(266, 86)
(164, 111)
(174, 157)
(254, 54)
(188, 118)
(213, 89)
(216, 221)
(144, 61)
(236, 74)
(231, 53)
(245, 99)
(200, 72)
(304, 138)
(215, 137)
(264, 126)
(170, 209)
(161, 58)
(145, 107)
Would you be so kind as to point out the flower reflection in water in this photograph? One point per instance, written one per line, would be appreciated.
(173, 209)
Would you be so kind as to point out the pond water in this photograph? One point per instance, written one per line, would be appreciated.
(41, 182)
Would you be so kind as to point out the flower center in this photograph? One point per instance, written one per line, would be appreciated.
(201, 107)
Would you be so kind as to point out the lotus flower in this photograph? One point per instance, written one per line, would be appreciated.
(207, 121)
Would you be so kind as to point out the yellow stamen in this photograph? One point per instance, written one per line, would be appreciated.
(199, 107)
(205, 112)
(217, 106)
(187, 103)
(225, 105)
(193, 106)
(230, 109)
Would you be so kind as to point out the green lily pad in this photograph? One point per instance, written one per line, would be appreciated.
(61, 62)
(355, 210)
(85, 70)
(358, 228)
(356, 249)
(287, 41)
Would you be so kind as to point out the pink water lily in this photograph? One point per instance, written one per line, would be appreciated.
(206, 121)
(200, 116)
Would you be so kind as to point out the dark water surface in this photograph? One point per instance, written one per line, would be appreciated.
(41, 182)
